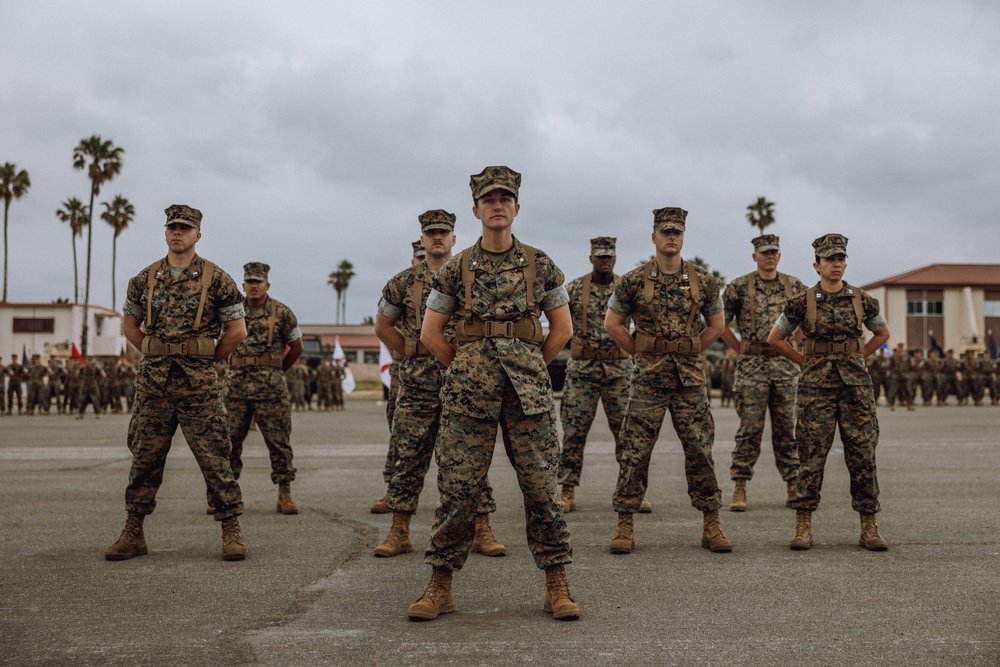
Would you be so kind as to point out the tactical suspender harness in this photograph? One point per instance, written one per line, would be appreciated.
(200, 347)
(578, 347)
(814, 346)
(528, 328)
(687, 344)
(414, 348)
(750, 344)
(269, 359)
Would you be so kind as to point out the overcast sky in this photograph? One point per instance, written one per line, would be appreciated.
(312, 132)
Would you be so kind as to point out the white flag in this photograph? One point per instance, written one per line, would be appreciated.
(384, 362)
(338, 352)
(348, 383)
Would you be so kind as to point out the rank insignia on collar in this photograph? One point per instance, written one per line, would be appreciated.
(850, 292)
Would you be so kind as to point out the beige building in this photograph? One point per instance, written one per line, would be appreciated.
(359, 342)
(50, 329)
(956, 304)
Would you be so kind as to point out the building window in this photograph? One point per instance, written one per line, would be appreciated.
(920, 308)
(34, 325)
(991, 308)
(351, 356)
(371, 356)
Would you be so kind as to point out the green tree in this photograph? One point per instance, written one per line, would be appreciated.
(103, 161)
(119, 213)
(14, 184)
(74, 213)
(339, 280)
(761, 213)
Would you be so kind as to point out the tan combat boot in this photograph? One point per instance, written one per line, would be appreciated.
(381, 506)
(437, 598)
(870, 537)
(739, 503)
(645, 507)
(568, 498)
(398, 540)
(712, 537)
(486, 543)
(791, 491)
(233, 546)
(624, 539)
(285, 503)
(131, 543)
(558, 600)
(803, 538)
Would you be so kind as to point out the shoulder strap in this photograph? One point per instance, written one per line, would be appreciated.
(585, 305)
(530, 276)
(695, 294)
(417, 297)
(468, 277)
(151, 282)
(810, 311)
(788, 285)
(207, 270)
(751, 297)
(648, 289)
(272, 319)
(859, 310)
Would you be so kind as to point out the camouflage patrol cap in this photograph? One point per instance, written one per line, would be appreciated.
(603, 246)
(494, 178)
(184, 215)
(669, 218)
(418, 250)
(255, 271)
(829, 245)
(765, 242)
(436, 219)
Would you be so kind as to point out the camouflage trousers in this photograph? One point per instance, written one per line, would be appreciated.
(927, 387)
(389, 469)
(975, 387)
(577, 411)
(274, 420)
(415, 426)
(324, 395)
(947, 385)
(695, 427)
(901, 390)
(464, 451)
(90, 395)
(298, 392)
(37, 396)
(14, 391)
(754, 401)
(820, 411)
(202, 419)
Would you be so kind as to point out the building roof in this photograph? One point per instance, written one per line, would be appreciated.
(944, 275)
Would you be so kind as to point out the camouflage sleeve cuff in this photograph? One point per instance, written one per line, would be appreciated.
(785, 324)
(441, 303)
(621, 308)
(712, 308)
(294, 335)
(390, 310)
(876, 323)
(230, 313)
(555, 298)
(133, 310)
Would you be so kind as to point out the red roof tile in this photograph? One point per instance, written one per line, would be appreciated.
(944, 275)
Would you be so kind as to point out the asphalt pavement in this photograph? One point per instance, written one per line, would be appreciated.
(311, 593)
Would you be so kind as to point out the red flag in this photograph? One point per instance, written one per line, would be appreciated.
(75, 353)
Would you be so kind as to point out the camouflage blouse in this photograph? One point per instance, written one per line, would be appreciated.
(263, 381)
(596, 337)
(672, 302)
(769, 302)
(474, 382)
(835, 321)
(174, 307)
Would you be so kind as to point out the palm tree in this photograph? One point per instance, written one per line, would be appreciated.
(103, 161)
(119, 213)
(339, 280)
(75, 213)
(761, 213)
(14, 184)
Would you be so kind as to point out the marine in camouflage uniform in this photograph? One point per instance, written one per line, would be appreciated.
(835, 389)
(89, 388)
(324, 385)
(173, 312)
(295, 377)
(255, 387)
(57, 378)
(15, 375)
(947, 379)
(417, 415)
(37, 374)
(598, 369)
(901, 378)
(667, 298)
(498, 288)
(381, 506)
(765, 381)
(925, 376)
